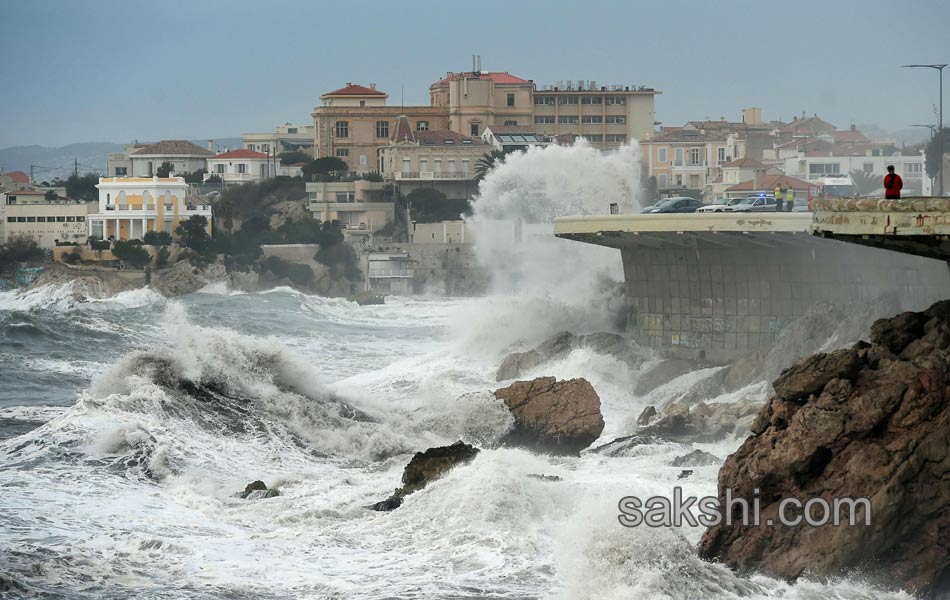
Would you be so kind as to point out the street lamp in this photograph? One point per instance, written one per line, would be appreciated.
(932, 129)
(939, 68)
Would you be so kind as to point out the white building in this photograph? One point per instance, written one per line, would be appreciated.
(815, 166)
(131, 206)
(287, 138)
(241, 166)
(143, 160)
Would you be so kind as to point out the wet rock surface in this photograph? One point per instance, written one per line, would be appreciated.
(696, 458)
(561, 344)
(256, 490)
(426, 467)
(553, 417)
(870, 421)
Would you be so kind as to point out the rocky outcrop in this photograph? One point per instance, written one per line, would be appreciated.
(256, 490)
(366, 298)
(870, 421)
(554, 417)
(696, 458)
(184, 278)
(699, 423)
(561, 344)
(426, 467)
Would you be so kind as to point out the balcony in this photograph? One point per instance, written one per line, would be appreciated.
(389, 273)
(430, 175)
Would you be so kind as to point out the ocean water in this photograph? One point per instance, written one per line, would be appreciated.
(117, 476)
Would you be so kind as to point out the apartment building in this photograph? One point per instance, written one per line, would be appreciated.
(28, 214)
(143, 160)
(362, 207)
(130, 206)
(815, 166)
(444, 160)
(607, 116)
(353, 122)
(688, 157)
(241, 166)
(287, 138)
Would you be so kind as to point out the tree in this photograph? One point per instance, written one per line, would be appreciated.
(161, 259)
(940, 141)
(488, 162)
(19, 249)
(157, 238)
(83, 187)
(51, 196)
(131, 254)
(165, 169)
(866, 183)
(327, 166)
(342, 261)
(194, 233)
(428, 205)
(295, 157)
(196, 176)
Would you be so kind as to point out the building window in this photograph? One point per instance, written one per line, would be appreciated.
(342, 152)
(595, 138)
(345, 196)
(679, 181)
(382, 129)
(80, 219)
(263, 170)
(422, 126)
(70, 219)
(695, 156)
(678, 153)
(544, 100)
(567, 119)
(363, 160)
(511, 123)
(868, 168)
(121, 171)
(592, 119)
(40, 219)
(362, 102)
(291, 130)
(661, 181)
(694, 181)
(474, 127)
(423, 165)
(31, 219)
(265, 148)
(342, 129)
(251, 147)
(451, 167)
(544, 120)
(661, 155)
(616, 138)
(616, 100)
(721, 154)
(611, 120)
(438, 167)
(511, 99)
(406, 166)
(11, 219)
(824, 169)
(567, 100)
(242, 167)
(592, 99)
(219, 168)
(465, 168)
(149, 168)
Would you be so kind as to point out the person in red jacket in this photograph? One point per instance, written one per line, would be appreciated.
(892, 184)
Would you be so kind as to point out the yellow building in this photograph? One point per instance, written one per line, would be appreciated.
(29, 214)
(131, 206)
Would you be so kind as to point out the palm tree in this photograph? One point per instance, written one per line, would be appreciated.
(865, 183)
(488, 162)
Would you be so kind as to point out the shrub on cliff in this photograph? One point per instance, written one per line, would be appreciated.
(193, 233)
(341, 260)
(132, 254)
(157, 238)
(19, 249)
(428, 205)
(298, 274)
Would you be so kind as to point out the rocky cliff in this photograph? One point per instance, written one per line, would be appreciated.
(870, 421)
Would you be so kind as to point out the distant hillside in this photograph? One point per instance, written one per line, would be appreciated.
(58, 162)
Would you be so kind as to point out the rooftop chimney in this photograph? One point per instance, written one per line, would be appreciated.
(211, 145)
(372, 86)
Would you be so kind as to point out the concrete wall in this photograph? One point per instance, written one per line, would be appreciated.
(724, 300)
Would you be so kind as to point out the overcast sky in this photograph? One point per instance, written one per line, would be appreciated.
(106, 70)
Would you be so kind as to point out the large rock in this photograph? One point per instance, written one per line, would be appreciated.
(426, 467)
(556, 417)
(871, 421)
(561, 344)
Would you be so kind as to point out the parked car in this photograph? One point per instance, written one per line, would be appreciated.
(674, 205)
(754, 204)
(722, 207)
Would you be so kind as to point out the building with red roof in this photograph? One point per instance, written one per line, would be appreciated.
(241, 166)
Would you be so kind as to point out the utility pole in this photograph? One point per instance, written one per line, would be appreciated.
(76, 167)
(940, 144)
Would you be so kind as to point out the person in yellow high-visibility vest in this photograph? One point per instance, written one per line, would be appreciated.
(779, 196)
(789, 199)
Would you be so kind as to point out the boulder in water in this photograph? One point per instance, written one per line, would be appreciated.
(555, 417)
(867, 422)
(256, 490)
(696, 458)
(426, 467)
(648, 414)
(367, 298)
